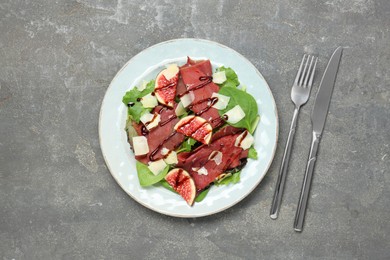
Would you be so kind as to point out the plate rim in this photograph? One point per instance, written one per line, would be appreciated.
(275, 111)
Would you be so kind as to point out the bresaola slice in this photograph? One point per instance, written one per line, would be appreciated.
(223, 141)
(161, 136)
(196, 77)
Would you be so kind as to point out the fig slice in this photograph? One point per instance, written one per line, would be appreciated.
(166, 82)
(196, 127)
(182, 183)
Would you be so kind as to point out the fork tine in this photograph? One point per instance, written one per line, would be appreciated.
(312, 73)
(300, 69)
(304, 72)
(308, 74)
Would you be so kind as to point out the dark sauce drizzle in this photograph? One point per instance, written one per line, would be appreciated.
(179, 182)
(212, 101)
(144, 130)
(243, 137)
(154, 152)
(214, 154)
(162, 123)
(206, 80)
(220, 120)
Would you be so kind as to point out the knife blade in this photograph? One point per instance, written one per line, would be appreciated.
(318, 118)
(322, 102)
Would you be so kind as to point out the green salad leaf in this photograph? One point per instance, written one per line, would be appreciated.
(166, 185)
(146, 177)
(252, 153)
(230, 178)
(246, 102)
(231, 78)
(202, 195)
(136, 110)
(186, 146)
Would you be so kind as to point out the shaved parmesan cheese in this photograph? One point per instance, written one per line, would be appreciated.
(222, 101)
(245, 140)
(157, 166)
(146, 117)
(150, 120)
(219, 77)
(203, 171)
(164, 151)
(149, 101)
(195, 169)
(187, 99)
(235, 114)
(140, 145)
(180, 110)
(170, 71)
(171, 158)
(216, 156)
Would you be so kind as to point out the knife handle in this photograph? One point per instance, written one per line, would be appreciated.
(283, 168)
(304, 197)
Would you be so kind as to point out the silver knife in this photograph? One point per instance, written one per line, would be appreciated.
(318, 118)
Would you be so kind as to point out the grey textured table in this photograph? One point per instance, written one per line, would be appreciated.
(57, 197)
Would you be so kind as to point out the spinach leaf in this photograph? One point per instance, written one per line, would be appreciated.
(136, 110)
(232, 178)
(202, 195)
(252, 153)
(231, 78)
(166, 185)
(146, 177)
(246, 102)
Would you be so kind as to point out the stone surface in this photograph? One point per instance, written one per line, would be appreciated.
(57, 197)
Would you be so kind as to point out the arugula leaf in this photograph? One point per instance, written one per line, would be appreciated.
(252, 153)
(146, 177)
(136, 111)
(246, 102)
(231, 78)
(131, 96)
(233, 178)
(186, 146)
(202, 195)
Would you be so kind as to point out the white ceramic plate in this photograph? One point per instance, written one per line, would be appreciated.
(120, 159)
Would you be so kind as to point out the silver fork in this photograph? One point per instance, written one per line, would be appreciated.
(299, 95)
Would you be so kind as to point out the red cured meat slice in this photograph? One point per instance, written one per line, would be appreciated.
(181, 87)
(198, 158)
(194, 74)
(191, 62)
(161, 136)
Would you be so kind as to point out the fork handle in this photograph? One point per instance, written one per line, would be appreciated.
(304, 197)
(284, 167)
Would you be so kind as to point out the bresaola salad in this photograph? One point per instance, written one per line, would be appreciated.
(191, 128)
